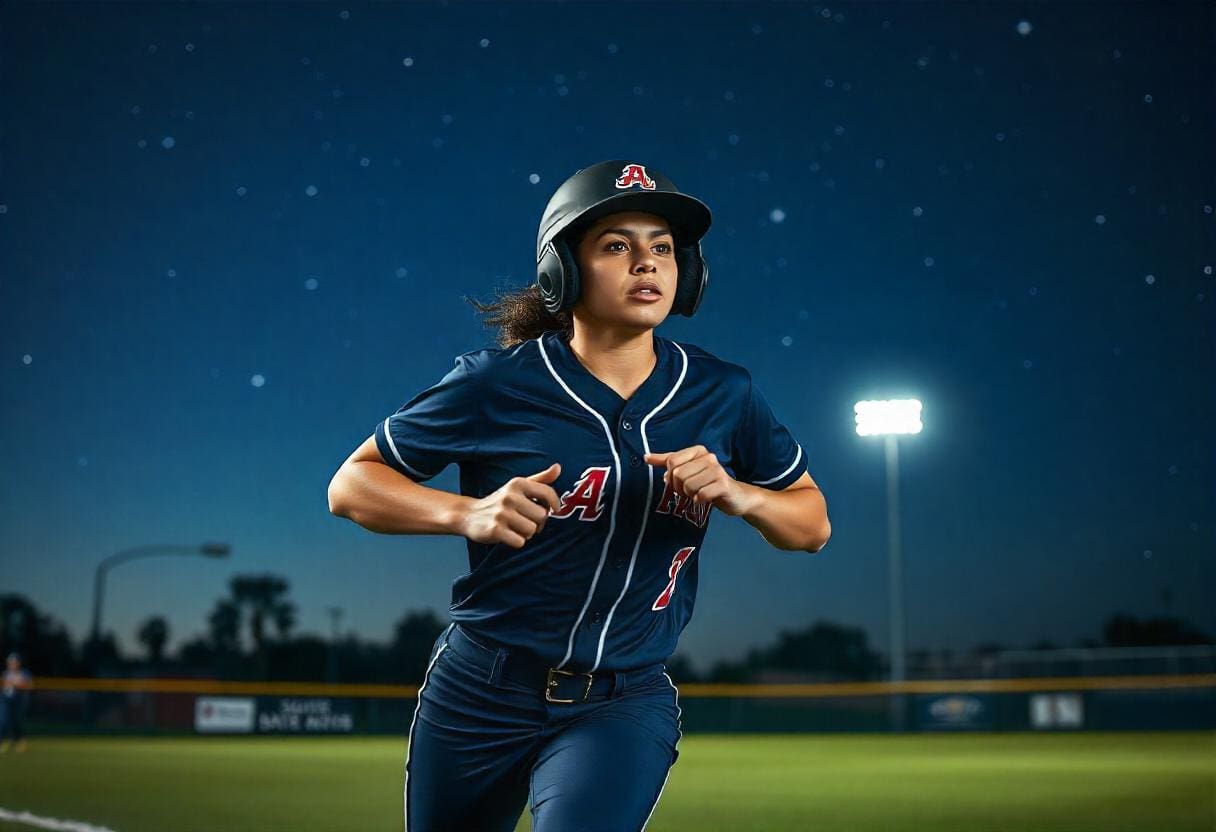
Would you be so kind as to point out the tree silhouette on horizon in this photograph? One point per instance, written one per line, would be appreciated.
(153, 634)
(262, 597)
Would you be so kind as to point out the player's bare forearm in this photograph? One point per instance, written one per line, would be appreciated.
(794, 520)
(381, 500)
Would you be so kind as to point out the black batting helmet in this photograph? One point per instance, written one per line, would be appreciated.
(608, 188)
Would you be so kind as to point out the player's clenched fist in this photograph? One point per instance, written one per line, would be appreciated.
(515, 512)
(696, 473)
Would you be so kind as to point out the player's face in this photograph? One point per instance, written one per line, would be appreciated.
(618, 254)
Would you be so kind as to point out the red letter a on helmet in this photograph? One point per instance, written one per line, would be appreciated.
(634, 175)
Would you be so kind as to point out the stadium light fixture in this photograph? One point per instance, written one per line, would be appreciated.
(888, 417)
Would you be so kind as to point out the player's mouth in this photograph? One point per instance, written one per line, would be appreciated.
(645, 291)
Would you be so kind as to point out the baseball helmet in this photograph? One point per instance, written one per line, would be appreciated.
(608, 188)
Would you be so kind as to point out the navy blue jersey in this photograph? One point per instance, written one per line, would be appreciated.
(610, 581)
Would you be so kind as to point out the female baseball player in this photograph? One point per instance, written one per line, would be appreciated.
(591, 451)
(14, 699)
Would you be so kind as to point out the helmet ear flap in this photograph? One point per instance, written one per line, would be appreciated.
(558, 277)
(693, 276)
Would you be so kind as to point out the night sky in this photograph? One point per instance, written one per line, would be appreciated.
(234, 237)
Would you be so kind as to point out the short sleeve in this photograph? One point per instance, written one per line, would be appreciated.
(436, 427)
(765, 452)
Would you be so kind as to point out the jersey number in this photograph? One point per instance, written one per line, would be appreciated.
(678, 561)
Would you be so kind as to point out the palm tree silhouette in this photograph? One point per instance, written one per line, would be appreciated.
(225, 623)
(263, 597)
(153, 634)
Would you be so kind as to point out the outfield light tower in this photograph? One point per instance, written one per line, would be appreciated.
(891, 418)
(331, 662)
(207, 550)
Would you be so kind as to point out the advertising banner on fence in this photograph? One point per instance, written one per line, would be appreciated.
(1057, 710)
(954, 711)
(223, 715)
(305, 715)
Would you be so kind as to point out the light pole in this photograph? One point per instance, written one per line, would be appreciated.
(889, 419)
(209, 550)
(335, 616)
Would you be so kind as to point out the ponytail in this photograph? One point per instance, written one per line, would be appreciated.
(521, 315)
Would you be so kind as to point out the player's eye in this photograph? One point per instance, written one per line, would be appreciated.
(664, 247)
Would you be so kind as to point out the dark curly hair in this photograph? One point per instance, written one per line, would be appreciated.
(520, 315)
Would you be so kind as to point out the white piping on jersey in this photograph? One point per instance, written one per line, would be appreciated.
(405, 803)
(599, 652)
(388, 434)
(797, 457)
(616, 494)
(680, 732)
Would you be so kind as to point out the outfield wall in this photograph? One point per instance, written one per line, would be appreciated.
(181, 706)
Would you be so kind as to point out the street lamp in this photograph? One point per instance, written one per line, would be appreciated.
(891, 418)
(207, 550)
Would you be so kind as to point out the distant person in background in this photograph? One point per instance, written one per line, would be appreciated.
(16, 694)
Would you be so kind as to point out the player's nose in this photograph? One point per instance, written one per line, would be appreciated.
(645, 263)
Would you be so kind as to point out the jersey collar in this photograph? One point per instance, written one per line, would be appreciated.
(606, 401)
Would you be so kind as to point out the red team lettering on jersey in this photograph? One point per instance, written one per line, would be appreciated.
(634, 175)
(676, 562)
(586, 497)
(681, 505)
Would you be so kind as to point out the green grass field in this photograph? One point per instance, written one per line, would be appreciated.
(972, 782)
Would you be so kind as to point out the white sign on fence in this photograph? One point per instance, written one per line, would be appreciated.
(1056, 710)
(223, 715)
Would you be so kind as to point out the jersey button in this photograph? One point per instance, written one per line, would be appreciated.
(634, 461)
(595, 617)
(619, 563)
(626, 425)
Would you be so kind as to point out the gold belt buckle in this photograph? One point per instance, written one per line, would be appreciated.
(552, 683)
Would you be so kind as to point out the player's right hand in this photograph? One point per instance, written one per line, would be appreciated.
(515, 512)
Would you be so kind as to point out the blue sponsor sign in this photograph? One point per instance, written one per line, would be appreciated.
(304, 715)
(954, 711)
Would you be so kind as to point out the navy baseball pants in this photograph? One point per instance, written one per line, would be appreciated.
(482, 745)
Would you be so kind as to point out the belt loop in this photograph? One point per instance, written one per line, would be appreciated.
(442, 643)
(496, 668)
(619, 683)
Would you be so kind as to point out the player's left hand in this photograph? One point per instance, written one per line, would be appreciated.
(696, 473)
